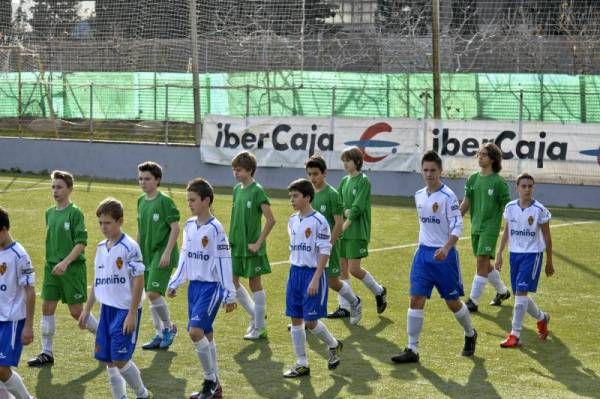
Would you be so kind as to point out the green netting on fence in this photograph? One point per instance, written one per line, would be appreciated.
(169, 96)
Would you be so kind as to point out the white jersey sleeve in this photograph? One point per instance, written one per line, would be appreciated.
(16, 273)
(223, 265)
(180, 275)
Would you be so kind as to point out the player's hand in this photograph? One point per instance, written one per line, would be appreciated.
(165, 260)
(313, 287)
(498, 264)
(346, 224)
(440, 253)
(82, 321)
(60, 268)
(230, 307)
(27, 335)
(171, 292)
(346, 213)
(129, 323)
(254, 247)
(549, 268)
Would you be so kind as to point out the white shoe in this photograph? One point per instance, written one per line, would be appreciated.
(256, 334)
(250, 327)
(356, 312)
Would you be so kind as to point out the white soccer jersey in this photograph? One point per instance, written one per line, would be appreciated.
(205, 256)
(16, 273)
(439, 216)
(309, 239)
(114, 269)
(524, 231)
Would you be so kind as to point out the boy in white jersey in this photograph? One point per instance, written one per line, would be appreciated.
(118, 287)
(205, 260)
(306, 293)
(528, 228)
(436, 263)
(17, 305)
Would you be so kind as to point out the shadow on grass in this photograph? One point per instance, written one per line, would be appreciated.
(160, 381)
(584, 268)
(74, 389)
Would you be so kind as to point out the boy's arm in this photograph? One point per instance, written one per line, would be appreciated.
(136, 296)
(225, 271)
(313, 287)
(337, 228)
(180, 275)
(548, 239)
(27, 334)
(455, 222)
(361, 199)
(165, 259)
(87, 308)
(464, 206)
(61, 267)
(269, 223)
(323, 243)
(503, 242)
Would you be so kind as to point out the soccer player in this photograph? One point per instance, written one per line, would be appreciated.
(17, 305)
(158, 229)
(527, 230)
(248, 241)
(328, 203)
(118, 287)
(205, 261)
(436, 262)
(306, 293)
(486, 194)
(65, 276)
(355, 190)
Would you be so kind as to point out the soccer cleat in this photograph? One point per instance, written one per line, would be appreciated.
(472, 306)
(339, 313)
(406, 356)
(209, 390)
(542, 326)
(297, 371)
(168, 337)
(381, 300)
(334, 356)
(256, 334)
(470, 343)
(512, 341)
(497, 301)
(154, 343)
(356, 311)
(43, 359)
(250, 327)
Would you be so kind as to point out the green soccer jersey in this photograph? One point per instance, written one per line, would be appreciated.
(356, 196)
(65, 228)
(154, 226)
(487, 197)
(328, 203)
(246, 224)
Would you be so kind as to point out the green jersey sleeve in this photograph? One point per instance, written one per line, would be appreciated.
(79, 232)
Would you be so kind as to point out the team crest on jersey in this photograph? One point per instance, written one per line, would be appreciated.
(323, 208)
(67, 225)
(530, 220)
(435, 207)
(307, 232)
(119, 263)
(248, 204)
(204, 241)
(3, 268)
(490, 191)
(155, 217)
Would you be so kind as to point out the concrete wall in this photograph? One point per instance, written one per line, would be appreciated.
(181, 163)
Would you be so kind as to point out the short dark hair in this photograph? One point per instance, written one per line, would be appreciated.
(111, 207)
(304, 187)
(353, 154)
(154, 168)
(4, 219)
(202, 188)
(495, 154)
(316, 161)
(432, 156)
(525, 175)
(64, 176)
(245, 160)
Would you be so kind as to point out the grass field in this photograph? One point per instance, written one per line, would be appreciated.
(567, 365)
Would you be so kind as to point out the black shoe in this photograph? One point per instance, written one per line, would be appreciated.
(209, 390)
(334, 356)
(472, 306)
(497, 301)
(297, 371)
(339, 313)
(43, 359)
(470, 342)
(154, 343)
(381, 300)
(406, 356)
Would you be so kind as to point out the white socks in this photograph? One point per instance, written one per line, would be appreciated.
(347, 293)
(343, 302)
(15, 386)
(245, 301)
(298, 334)
(371, 284)
(132, 375)
(496, 281)
(206, 360)
(324, 335)
(463, 316)
(48, 327)
(533, 310)
(414, 326)
(160, 314)
(519, 310)
(478, 287)
(260, 308)
(117, 383)
(213, 355)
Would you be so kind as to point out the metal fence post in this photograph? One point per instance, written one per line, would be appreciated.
(582, 100)
(333, 91)
(247, 101)
(91, 111)
(520, 127)
(167, 113)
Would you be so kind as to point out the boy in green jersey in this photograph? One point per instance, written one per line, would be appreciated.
(355, 190)
(158, 229)
(486, 194)
(248, 241)
(65, 276)
(327, 201)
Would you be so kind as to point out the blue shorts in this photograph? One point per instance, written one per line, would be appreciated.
(297, 302)
(426, 273)
(204, 299)
(111, 344)
(10, 342)
(525, 271)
